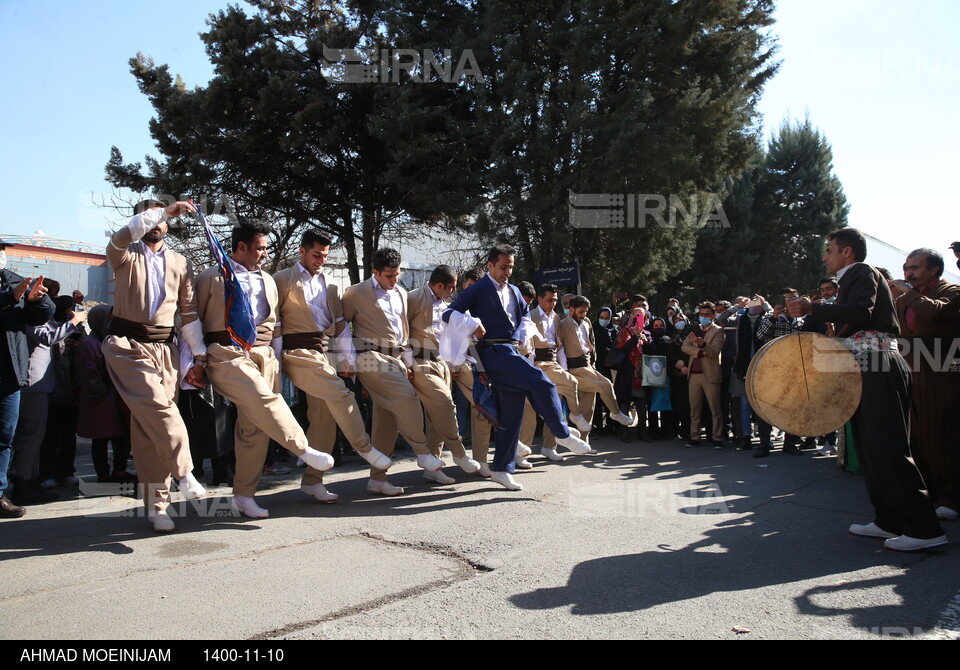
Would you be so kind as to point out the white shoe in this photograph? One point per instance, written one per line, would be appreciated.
(622, 418)
(523, 464)
(484, 471)
(467, 464)
(317, 459)
(506, 480)
(581, 423)
(248, 507)
(191, 488)
(439, 477)
(429, 462)
(162, 523)
(905, 543)
(870, 530)
(383, 488)
(947, 514)
(320, 492)
(574, 444)
(551, 455)
(523, 450)
(377, 460)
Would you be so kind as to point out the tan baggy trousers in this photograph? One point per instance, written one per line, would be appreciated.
(252, 383)
(146, 376)
(329, 404)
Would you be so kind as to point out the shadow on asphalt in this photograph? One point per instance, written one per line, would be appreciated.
(789, 528)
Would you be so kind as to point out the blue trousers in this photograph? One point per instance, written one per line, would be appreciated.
(9, 413)
(515, 379)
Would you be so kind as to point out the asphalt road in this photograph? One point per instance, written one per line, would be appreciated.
(639, 541)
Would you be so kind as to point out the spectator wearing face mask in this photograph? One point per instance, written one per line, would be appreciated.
(704, 346)
(678, 371)
(670, 312)
(747, 346)
(735, 391)
(633, 339)
(605, 333)
(828, 287)
(659, 406)
(726, 319)
(681, 325)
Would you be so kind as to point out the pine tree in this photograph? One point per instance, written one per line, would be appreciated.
(277, 137)
(595, 96)
(779, 212)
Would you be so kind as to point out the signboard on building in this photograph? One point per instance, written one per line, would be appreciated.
(567, 274)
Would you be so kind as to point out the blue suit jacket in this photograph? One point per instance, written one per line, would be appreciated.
(483, 303)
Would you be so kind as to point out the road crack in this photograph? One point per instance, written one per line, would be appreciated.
(468, 569)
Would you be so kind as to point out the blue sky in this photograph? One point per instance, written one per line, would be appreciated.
(881, 79)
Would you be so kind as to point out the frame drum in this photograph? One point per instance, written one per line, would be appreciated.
(806, 384)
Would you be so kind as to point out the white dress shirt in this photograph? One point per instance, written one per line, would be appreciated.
(583, 335)
(391, 304)
(315, 293)
(507, 298)
(252, 283)
(439, 306)
(156, 268)
(549, 327)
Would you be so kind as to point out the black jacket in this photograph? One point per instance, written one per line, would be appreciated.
(15, 317)
(863, 302)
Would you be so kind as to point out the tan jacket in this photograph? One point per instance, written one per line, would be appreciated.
(934, 317)
(131, 299)
(212, 308)
(370, 324)
(293, 310)
(539, 339)
(420, 316)
(567, 334)
(713, 344)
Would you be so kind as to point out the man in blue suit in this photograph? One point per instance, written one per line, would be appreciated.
(498, 317)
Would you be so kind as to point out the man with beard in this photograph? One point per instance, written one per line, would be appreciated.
(575, 335)
(153, 284)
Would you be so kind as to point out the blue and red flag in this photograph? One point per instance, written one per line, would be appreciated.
(238, 317)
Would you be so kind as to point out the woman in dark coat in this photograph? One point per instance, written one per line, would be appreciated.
(606, 335)
(679, 389)
(100, 417)
(659, 418)
(633, 341)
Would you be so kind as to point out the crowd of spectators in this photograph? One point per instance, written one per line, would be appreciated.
(678, 374)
